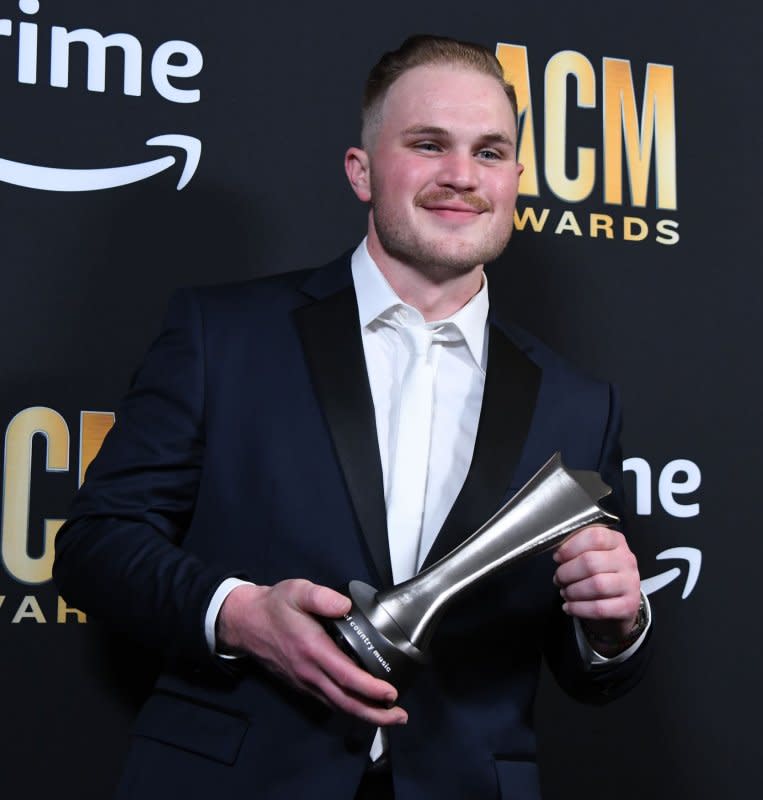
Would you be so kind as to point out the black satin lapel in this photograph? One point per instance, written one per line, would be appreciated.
(508, 402)
(330, 333)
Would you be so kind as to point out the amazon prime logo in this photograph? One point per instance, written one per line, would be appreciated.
(30, 39)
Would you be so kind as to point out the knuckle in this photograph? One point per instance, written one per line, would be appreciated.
(599, 608)
(601, 537)
(302, 673)
(599, 583)
(311, 647)
(343, 677)
(589, 560)
(294, 590)
(292, 584)
(314, 595)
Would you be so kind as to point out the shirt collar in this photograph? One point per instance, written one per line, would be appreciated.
(376, 298)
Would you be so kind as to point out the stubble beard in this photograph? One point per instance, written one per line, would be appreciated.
(439, 259)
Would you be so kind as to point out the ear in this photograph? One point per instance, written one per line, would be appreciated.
(358, 170)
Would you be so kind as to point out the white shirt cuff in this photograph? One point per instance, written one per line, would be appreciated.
(594, 659)
(215, 604)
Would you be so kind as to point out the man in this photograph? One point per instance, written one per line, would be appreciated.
(264, 457)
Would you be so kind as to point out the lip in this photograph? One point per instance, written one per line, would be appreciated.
(452, 211)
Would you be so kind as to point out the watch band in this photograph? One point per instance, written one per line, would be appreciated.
(615, 641)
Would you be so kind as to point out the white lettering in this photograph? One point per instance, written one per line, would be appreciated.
(643, 472)
(381, 660)
(172, 59)
(27, 52)
(97, 44)
(161, 70)
(668, 487)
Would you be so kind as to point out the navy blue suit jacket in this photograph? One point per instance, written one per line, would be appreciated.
(247, 446)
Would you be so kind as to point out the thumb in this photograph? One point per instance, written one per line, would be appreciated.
(323, 601)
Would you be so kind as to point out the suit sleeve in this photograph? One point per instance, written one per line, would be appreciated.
(119, 557)
(600, 683)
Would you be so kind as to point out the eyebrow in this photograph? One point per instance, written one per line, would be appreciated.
(497, 137)
(490, 137)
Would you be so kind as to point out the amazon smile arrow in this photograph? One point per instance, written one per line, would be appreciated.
(691, 555)
(54, 179)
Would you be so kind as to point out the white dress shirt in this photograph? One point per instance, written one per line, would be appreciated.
(458, 384)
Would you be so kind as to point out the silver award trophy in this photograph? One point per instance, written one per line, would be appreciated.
(388, 632)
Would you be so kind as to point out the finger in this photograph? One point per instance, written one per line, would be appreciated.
(591, 562)
(359, 706)
(319, 600)
(594, 537)
(310, 677)
(603, 585)
(612, 608)
(587, 564)
(346, 674)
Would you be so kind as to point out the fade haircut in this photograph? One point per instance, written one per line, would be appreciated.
(423, 51)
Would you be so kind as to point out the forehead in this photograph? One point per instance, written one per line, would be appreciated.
(445, 96)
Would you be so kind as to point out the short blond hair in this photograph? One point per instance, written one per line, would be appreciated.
(420, 51)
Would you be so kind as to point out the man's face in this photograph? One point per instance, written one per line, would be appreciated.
(442, 174)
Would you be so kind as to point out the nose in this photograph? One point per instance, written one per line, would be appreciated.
(458, 171)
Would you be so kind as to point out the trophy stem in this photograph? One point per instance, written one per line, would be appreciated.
(530, 523)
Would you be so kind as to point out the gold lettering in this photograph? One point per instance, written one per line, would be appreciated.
(17, 469)
(628, 225)
(94, 425)
(558, 69)
(64, 611)
(29, 608)
(601, 222)
(513, 58)
(528, 215)
(657, 129)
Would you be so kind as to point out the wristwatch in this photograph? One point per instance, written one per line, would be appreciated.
(615, 641)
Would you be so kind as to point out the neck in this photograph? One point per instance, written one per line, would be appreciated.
(434, 294)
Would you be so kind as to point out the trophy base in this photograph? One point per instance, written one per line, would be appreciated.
(369, 635)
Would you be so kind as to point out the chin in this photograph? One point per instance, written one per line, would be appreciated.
(464, 256)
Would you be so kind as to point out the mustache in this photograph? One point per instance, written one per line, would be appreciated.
(443, 195)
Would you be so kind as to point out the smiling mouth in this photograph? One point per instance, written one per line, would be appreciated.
(449, 205)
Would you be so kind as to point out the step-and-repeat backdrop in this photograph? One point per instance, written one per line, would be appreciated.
(146, 146)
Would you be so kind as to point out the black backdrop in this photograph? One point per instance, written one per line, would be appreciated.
(86, 275)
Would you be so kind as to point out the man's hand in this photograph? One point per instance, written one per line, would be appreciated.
(599, 581)
(277, 625)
